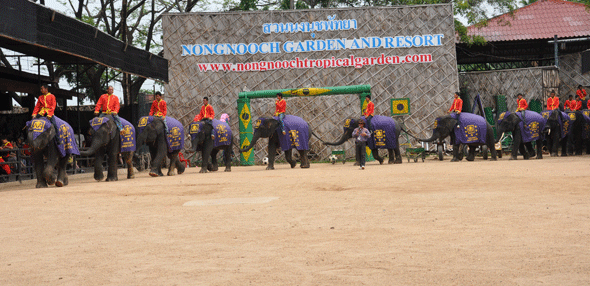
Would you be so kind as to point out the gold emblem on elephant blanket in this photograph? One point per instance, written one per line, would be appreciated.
(195, 128)
(471, 131)
(38, 125)
(502, 116)
(347, 123)
(435, 123)
(126, 132)
(142, 122)
(572, 115)
(546, 114)
(587, 112)
(257, 124)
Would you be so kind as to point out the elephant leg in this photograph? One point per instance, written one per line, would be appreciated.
(39, 163)
(516, 145)
(376, 156)
(214, 163)
(304, 159)
(272, 152)
(205, 157)
(523, 151)
(564, 146)
(62, 176)
(540, 149)
(398, 156)
(289, 158)
(470, 153)
(456, 153)
(174, 163)
(49, 170)
(112, 167)
(530, 150)
(391, 156)
(227, 158)
(157, 157)
(180, 167)
(98, 159)
(128, 159)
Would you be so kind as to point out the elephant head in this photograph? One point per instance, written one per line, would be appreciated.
(349, 125)
(263, 128)
(443, 127)
(101, 137)
(200, 133)
(152, 133)
(507, 122)
(39, 143)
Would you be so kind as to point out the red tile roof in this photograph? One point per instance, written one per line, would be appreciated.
(540, 20)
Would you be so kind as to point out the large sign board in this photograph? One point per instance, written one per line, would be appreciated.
(402, 52)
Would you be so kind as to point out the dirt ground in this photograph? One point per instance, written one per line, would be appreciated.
(432, 223)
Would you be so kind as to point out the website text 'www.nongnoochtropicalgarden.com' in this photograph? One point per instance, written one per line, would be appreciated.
(297, 63)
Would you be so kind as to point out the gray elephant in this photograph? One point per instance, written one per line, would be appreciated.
(468, 130)
(558, 129)
(201, 140)
(107, 139)
(523, 132)
(151, 132)
(56, 145)
(385, 135)
(297, 137)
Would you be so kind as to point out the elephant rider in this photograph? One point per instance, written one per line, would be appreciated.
(574, 105)
(369, 111)
(361, 134)
(457, 106)
(207, 114)
(552, 101)
(280, 109)
(109, 103)
(581, 93)
(522, 105)
(46, 106)
(570, 103)
(159, 109)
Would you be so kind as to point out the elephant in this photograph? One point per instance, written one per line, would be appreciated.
(151, 131)
(107, 139)
(558, 129)
(385, 136)
(298, 135)
(56, 145)
(201, 141)
(468, 129)
(523, 132)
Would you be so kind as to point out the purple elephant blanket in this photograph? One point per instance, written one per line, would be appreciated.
(297, 132)
(66, 143)
(586, 127)
(472, 128)
(223, 133)
(175, 138)
(531, 128)
(564, 121)
(127, 136)
(383, 136)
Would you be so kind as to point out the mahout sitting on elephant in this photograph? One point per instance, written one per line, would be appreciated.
(469, 130)
(523, 132)
(385, 135)
(55, 145)
(151, 131)
(108, 139)
(558, 128)
(201, 140)
(297, 137)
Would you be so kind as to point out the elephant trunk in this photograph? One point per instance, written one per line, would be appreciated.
(432, 138)
(90, 151)
(345, 136)
(500, 137)
(252, 143)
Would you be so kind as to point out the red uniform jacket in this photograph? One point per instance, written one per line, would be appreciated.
(581, 93)
(206, 112)
(45, 105)
(552, 103)
(457, 105)
(567, 104)
(158, 108)
(280, 106)
(575, 105)
(370, 110)
(522, 104)
(109, 104)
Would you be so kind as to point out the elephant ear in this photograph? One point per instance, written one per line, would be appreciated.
(112, 128)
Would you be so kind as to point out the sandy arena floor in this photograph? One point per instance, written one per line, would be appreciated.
(433, 223)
